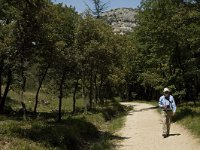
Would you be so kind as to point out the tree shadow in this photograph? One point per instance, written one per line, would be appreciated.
(175, 134)
(185, 112)
(68, 134)
(18, 115)
(113, 141)
(72, 133)
(110, 112)
(146, 109)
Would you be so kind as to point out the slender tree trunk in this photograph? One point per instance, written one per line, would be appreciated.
(197, 90)
(3, 100)
(91, 93)
(95, 89)
(179, 61)
(1, 72)
(36, 98)
(22, 97)
(128, 91)
(23, 84)
(84, 95)
(162, 71)
(100, 90)
(60, 106)
(152, 93)
(74, 96)
(61, 96)
(170, 70)
(38, 90)
(0, 86)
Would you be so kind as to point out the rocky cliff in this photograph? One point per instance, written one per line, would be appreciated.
(121, 19)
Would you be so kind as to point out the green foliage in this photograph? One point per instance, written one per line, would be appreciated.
(165, 37)
(49, 46)
(99, 57)
(54, 52)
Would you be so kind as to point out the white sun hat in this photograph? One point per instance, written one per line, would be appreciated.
(166, 90)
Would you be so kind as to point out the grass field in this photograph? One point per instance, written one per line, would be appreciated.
(94, 130)
(188, 115)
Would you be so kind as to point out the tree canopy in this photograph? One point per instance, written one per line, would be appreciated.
(51, 46)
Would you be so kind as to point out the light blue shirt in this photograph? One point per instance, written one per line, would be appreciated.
(163, 102)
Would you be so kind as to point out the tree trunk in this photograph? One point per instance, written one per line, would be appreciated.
(61, 96)
(84, 95)
(1, 71)
(91, 94)
(3, 100)
(38, 90)
(196, 85)
(22, 97)
(95, 89)
(162, 71)
(100, 89)
(128, 92)
(74, 96)
(0, 87)
(23, 84)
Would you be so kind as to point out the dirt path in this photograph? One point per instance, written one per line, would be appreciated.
(143, 131)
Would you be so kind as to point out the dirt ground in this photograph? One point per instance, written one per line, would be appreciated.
(143, 131)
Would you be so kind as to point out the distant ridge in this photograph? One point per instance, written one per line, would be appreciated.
(121, 19)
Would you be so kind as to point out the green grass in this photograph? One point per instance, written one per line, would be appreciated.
(52, 100)
(116, 124)
(188, 115)
(94, 130)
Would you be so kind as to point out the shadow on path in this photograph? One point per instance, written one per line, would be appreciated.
(176, 134)
(146, 109)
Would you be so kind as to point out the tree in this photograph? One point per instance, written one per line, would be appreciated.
(64, 34)
(98, 7)
(164, 41)
(99, 56)
(26, 33)
(45, 47)
(6, 49)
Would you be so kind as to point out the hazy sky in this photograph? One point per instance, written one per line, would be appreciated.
(80, 4)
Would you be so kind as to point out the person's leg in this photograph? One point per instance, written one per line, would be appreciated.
(168, 123)
(164, 122)
(169, 116)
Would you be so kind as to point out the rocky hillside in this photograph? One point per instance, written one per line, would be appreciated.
(121, 19)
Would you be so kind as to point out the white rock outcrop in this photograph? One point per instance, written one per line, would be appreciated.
(121, 19)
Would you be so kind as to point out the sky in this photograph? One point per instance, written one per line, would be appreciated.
(80, 4)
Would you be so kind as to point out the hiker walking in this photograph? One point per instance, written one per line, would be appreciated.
(168, 109)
